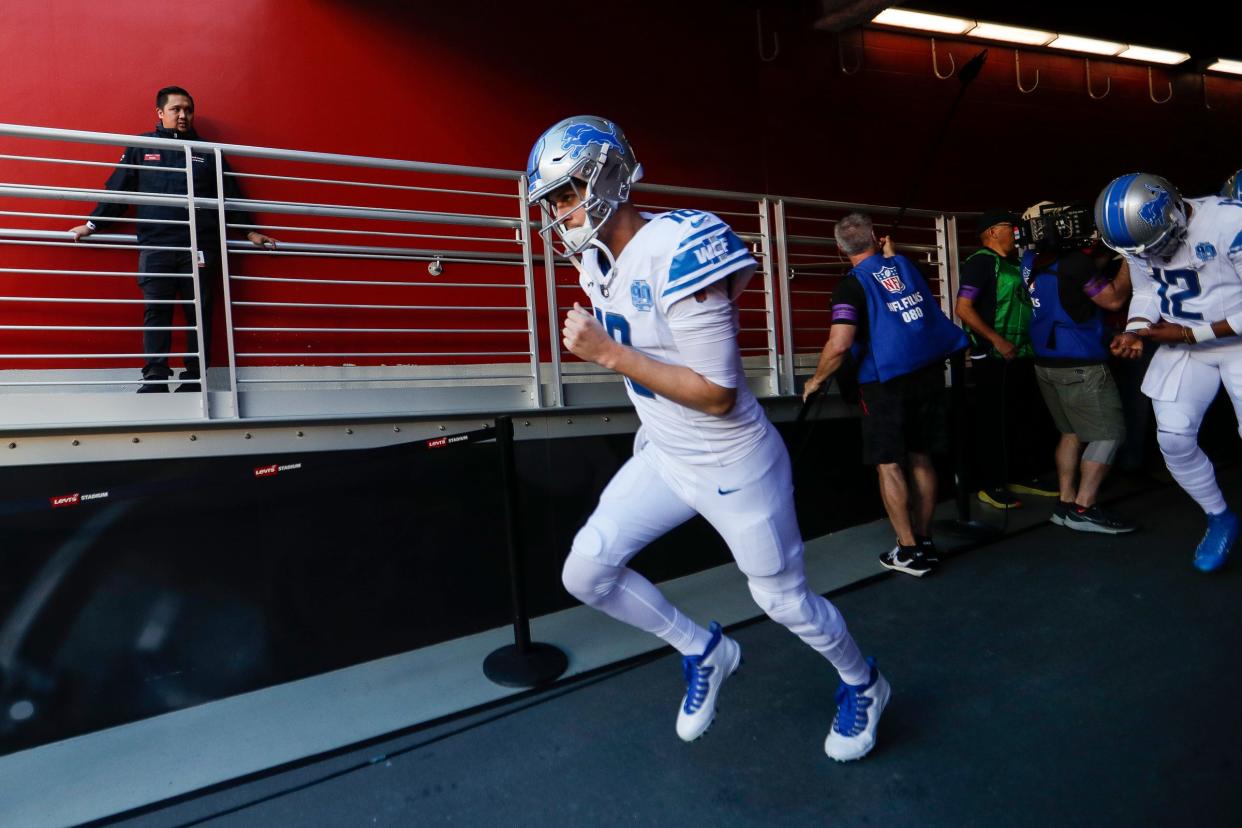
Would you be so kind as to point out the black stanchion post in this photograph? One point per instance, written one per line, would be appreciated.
(964, 525)
(523, 663)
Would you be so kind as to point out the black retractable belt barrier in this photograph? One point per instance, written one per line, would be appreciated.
(523, 663)
(964, 525)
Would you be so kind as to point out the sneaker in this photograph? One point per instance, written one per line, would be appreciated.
(999, 499)
(907, 559)
(1095, 519)
(1035, 487)
(150, 388)
(1060, 512)
(858, 714)
(704, 675)
(1222, 532)
(189, 387)
(927, 549)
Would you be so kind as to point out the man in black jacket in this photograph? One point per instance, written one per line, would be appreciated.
(160, 171)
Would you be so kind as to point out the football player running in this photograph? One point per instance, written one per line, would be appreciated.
(1185, 260)
(662, 289)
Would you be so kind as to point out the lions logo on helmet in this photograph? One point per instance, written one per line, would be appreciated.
(1141, 214)
(592, 155)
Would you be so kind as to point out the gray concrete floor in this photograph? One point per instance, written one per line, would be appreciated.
(1054, 678)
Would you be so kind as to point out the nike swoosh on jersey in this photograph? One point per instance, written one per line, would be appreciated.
(695, 222)
(726, 491)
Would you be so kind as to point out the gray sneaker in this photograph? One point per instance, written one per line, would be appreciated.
(1095, 519)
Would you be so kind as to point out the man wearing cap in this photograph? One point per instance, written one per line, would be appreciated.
(995, 306)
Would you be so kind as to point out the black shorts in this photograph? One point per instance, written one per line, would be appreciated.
(906, 414)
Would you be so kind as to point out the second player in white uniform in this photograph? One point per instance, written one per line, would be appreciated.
(662, 290)
(1185, 259)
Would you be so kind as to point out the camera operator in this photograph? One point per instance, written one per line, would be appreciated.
(1068, 300)
(886, 315)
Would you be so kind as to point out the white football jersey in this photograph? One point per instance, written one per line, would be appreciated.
(1202, 281)
(672, 257)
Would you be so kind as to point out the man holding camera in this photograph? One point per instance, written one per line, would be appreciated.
(884, 312)
(1068, 297)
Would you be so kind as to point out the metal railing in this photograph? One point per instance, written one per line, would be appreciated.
(408, 285)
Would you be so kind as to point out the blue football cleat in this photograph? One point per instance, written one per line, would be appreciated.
(1222, 532)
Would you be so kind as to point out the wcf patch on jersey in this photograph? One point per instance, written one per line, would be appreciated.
(887, 276)
(640, 295)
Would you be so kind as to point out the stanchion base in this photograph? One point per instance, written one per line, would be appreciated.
(540, 664)
(973, 530)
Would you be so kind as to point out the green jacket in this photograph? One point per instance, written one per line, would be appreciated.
(1013, 307)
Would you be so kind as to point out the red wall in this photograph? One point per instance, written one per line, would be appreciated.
(475, 84)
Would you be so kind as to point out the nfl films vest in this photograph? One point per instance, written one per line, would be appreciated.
(1013, 307)
(1054, 333)
(907, 329)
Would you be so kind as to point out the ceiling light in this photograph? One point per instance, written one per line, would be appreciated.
(1149, 55)
(1233, 67)
(1074, 43)
(921, 20)
(1012, 34)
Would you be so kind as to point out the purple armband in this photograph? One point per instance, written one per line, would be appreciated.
(844, 313)
(968, 292)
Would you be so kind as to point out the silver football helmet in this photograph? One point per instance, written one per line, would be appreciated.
(591, 155)
(1141, 214)
(1233, 187)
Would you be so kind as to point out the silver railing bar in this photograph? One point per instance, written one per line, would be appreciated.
(89, 194)
(792, 200)
(310, 208)
(92, 328)
(363, 251)
(463, 257)
(86, 301)
(77, 162)
(238, 278)
(519, 379)
(514, 309)
(45, 272)
(299, 354)
(90, 382)
(90, 356)
(345, 183)
(301, 229)
(86, 244)
(80, 136)
(355, 330)
(87, 217)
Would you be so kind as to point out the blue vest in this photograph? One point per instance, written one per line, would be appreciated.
(907, 329)
(1054, 333)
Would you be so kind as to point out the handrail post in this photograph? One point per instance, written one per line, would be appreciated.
(227, 297)
(786, 314)
(554, 324)
(769, 300)
(197, 282)
(528, 279)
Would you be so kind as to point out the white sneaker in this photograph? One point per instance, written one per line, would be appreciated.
(858, 714)
(704, 676)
